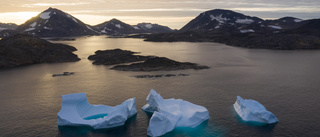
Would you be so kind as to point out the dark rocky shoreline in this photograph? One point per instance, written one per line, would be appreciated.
(275, 41)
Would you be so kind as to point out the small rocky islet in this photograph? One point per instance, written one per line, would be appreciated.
(22, 49)
(115, 56)
(149, 63)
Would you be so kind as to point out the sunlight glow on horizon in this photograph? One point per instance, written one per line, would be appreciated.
(174, 14)
(17, 17)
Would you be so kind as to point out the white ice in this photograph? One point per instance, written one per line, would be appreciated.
(274, 27)
(89, 28)
(252, 111)
(69, 16)
(29, 29)
(247, 31)
(45, 15)
(244, 21)
(298, 20)
(33, 24)
(118, 26)
(171, 113)
(149, 26)
(77, 111)
(219, 18)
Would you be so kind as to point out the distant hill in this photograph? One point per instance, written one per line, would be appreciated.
(55, 23)
(11, 26)
(117, 27)
(151, 28)
(7, 29)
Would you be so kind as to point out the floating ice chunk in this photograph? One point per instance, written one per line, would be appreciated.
(77, 111)
(171, 113)
(252, 111)
(45, 15)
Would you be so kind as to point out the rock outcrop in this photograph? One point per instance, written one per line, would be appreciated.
(24, 49)
(115, 56)
(159, 64)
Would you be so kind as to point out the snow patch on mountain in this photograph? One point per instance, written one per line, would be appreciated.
(29, 29)
(89, 28)
(274, 27)
(45, 15)
(244, 21)
(219, 18)
(135, 27)
(149, 26)
(298, 20)
(118, 26)
(247, 31)
(69, 16)
(33, 24)
(45, 27)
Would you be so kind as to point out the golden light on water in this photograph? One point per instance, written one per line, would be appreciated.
(17, 17)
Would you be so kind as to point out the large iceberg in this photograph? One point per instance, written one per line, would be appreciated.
(171, 113)
(77, 111)
(252, 111)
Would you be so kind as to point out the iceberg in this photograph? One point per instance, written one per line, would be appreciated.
(77, 111)
(171, 113)
(252, 111)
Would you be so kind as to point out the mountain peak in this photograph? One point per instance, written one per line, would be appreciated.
(54, 23)
(217, 19)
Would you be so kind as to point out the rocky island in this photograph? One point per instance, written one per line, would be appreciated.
(159, 64)
(22, 49)
(115, 56)
(150, 63)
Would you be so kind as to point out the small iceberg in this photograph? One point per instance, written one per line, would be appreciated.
(77, 111)
(252, 111)
(171, 113)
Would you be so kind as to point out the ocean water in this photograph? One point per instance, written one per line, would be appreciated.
(287, 83)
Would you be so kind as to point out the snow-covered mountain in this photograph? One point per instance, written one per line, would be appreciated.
(55, 23)
(219, 20)
(11, 26)
(115, 27)
(7, 29)
(151, 28)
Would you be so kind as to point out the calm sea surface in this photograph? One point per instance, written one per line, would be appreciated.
(287, 83)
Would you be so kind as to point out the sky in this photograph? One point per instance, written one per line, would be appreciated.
(172, 13)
